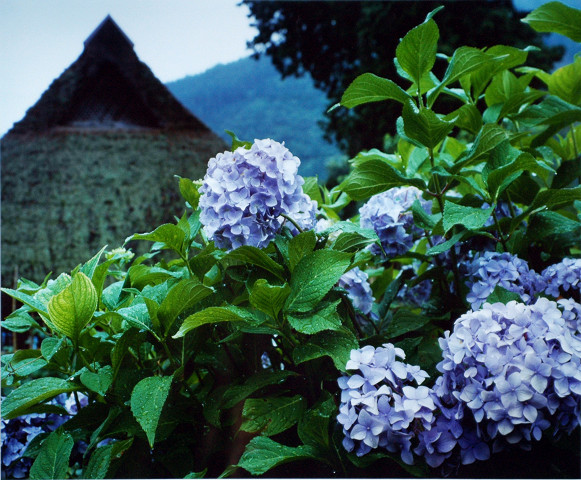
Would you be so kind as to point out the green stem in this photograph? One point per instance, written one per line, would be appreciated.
(77, 402)
(185, 259)
(298, 227)
(575, 148)
(502, 239)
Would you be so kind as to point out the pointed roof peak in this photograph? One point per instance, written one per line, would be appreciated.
(106, 33)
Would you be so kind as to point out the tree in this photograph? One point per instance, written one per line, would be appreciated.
(335, 41)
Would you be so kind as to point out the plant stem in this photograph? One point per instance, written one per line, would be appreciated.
(502, 239)
(298, 227)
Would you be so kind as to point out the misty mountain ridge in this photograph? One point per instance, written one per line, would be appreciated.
(249, 98)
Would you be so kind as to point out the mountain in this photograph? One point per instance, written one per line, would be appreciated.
(249, 98)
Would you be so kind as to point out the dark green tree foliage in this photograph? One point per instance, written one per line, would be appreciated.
(337, 41)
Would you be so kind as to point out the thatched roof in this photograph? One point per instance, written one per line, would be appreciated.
(108, 87)
(93, 161)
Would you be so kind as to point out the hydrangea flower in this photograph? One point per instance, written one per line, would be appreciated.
(490, 269)
(389, 214)
(246, 192)
(564, 276)
(356, 283)
(17, 433)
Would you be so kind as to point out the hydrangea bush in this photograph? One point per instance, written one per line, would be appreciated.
(422, 318)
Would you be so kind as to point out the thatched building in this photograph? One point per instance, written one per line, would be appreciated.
(94, 160)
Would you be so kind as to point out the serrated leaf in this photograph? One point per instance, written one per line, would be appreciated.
(321, 320)
(50, 347)
(556, 18)
(171, 236)
(72, 309)
(253, 256)
(99, 463)
(89, 267)
(98, 382)
(189, 191)
(19, 321)
(313, 428)
(405, 322)
(182, 296)
(565, 82)
(313, 277)
(502, 295)
(27, 300)
(448, 244)
(23, 362)
(32, 393)
(268, 298)
(237, 393)
(299, 246)
(548, 224)
(147, 400)
(353, 241)
(137, 316)
(53, 458)
(143, 275)
(467, 117)
(215, 315)
(337, 345)
(469, 217)
(424, 126)
(556, 198)
(368, 88)
(375, 176)
(272, 415)
(487, 139)
(262, 454)
(236, 142)
(416, 52)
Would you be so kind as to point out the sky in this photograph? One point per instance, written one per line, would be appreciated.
(39, 39)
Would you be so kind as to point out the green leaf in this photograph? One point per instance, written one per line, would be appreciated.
(142, 275)
(147, 400)
(262, 454)
(99, 462)
(182, 296)
(253, 256)
(549, 224)
(299, 246)
(27, 300)
(487, 139)
(448, 244)
(337, 345)
(268, 298)
(416, 52)
(467, 117)
(215, 315)
(237, 393)
(313, 428)
(171, 236)
(19, 321)
(189, 191)
(566, 82)
(323, 319)
(556, 18)
(424, 125)
(53, 458)
(98, 382)
(32, 393)
(23, 363)
(50, 347)
(368, 88)
(89, 267)
(236, 142)
(72, 309)
(554, 199)
(314, 276)
(375, 176)
(270, 416)
(405, 322)
(137, 316)
(469, 217)
(502, 295)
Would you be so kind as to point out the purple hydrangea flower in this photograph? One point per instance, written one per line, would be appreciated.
(246, 192)
(493, 269)
(564, 276)
(356, 283)
(389, 214)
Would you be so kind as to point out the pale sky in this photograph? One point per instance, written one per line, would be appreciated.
(39, 39)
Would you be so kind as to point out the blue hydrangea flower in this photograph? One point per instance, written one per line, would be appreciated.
(493, 269)
(564, 276)
(246, 192)
(389, 214)
(356, 283)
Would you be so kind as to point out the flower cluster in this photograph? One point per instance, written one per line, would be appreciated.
(509, 372)
(512, 369)
(564, 276)
(356, 283)
(389, 214)
(379, 403)
(501, 269)
(17, 433)
(246, 193)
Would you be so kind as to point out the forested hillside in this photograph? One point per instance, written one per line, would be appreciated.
(249, 98)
